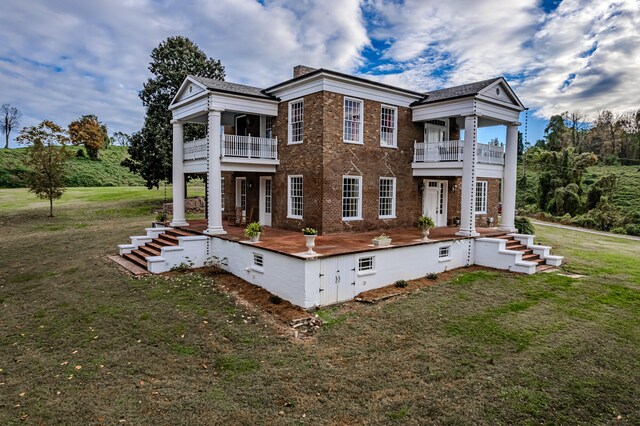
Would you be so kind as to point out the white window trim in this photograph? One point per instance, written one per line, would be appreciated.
(361, 124)
(367, 271)
(359, 217)
(445, 258)
(255, 267)
(485, 194)
(289, 206)
(393, 200)
(395, 126)
(289, 124)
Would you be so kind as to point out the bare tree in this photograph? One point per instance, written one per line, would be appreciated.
(10, 120)
(578, 125)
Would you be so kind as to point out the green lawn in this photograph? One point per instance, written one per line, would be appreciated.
(82, 343)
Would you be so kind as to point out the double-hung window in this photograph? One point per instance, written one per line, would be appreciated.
(296, 121)
(351, 197)
(353, 116)
(387, 208)
(388, 126)
(481, 197)
(294, 209)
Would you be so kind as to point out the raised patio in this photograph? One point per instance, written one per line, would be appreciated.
(293, 243)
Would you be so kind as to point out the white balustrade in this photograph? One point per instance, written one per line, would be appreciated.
(235, 146)
(195, 150)
(435, 152)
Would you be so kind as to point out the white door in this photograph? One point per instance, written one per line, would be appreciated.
(337, 279)
(241, 195)
(265, 200)
(434, 201)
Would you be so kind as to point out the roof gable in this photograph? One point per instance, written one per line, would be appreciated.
(500, 92)
(189, 88)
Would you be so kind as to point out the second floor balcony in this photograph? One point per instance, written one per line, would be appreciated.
(237, 153)
(436, 152)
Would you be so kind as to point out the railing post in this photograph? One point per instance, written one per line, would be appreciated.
(249, 145)
(275, 148)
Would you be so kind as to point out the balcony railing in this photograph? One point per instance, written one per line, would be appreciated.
(435, 152)
(234, 146)
(249, 147)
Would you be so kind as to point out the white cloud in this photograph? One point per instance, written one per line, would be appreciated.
(59, 61)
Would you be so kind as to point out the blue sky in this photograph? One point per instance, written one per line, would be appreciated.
(60, 60)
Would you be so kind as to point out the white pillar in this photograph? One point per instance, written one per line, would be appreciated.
(509, 180)
(178, 175)
(214, 179)
(469, 165)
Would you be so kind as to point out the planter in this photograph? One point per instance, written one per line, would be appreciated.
(255, 238)
(381, 242)
(425, 235)
(311, 243)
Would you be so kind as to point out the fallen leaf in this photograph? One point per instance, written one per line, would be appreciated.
(78, 367)
(21, 394)
(65, 363)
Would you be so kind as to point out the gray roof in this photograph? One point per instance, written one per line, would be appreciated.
(226, 87)
(470, 89)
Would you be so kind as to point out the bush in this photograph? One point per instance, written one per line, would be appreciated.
(401, 284)
(432, 276)
(276, 300)
(632, 229)
(524, 225)
(80, 153)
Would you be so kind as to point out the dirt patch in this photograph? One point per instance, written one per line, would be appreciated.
(290, 319)
(391, 291)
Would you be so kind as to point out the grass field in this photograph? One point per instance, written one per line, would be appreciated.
(82, 172)
(83, 343)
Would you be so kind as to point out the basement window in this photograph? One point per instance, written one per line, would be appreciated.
(366, 265)
(258, 262)
(444, 253)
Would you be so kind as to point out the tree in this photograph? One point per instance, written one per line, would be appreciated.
(555, 133)
(10, 120)
(577, 124)
(150, 149)
(120, 138)
(46, 159)
(88, 131)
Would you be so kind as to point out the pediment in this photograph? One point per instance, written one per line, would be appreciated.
(500, 92)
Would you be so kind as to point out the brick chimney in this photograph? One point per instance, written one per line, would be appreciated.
(299, 70)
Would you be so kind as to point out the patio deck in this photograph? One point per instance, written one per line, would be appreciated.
(293, 244)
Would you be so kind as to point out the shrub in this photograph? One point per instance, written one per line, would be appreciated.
(432, 276)
(309, 231)
(276, 300)
(401, 284)
(632, 229)
(425, 222)
(524, 225)
(80, 153)
(253, 229)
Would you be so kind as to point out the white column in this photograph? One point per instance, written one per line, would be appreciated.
(509, 180)
(214, 179)
(178, 175)
(469, 165)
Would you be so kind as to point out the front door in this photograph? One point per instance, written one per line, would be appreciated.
(265, 200)
(434, 201)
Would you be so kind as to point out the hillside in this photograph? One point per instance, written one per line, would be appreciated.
(82, 171)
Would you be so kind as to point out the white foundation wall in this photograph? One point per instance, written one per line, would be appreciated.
(280, 274)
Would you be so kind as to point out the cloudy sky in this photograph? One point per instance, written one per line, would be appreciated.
(62, 59)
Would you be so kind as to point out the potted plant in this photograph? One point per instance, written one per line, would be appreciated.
(381, 241)
(425, 223)
(253, 231)
(310, 235)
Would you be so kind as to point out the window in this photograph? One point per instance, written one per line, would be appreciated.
(435, 131)
(269, 127)
(294, 210)
(351, 197)
(444, 253)
(296, 121)
(388, 126)
(481, 197)
(222, 192)
(387, 197)
(258, 263)
(267, 196)
(353, 120)
(366, 265)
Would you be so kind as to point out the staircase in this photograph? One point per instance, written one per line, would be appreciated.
(516, 253)
(527, 253)
(154, 247)
(163, 248)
